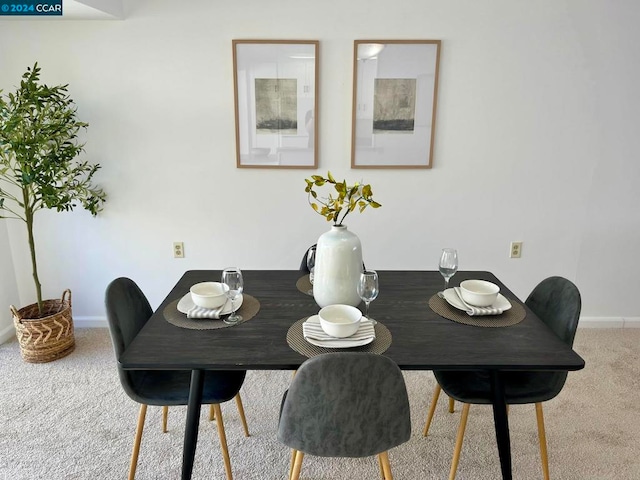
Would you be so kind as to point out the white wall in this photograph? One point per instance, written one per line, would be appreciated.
(608, 259)
(8, 287)
(536, 140)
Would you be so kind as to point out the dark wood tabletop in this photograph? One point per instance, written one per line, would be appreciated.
(421, 339)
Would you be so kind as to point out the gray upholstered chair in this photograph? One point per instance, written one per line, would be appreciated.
(556, 301)
(127, 312)
(345, 404)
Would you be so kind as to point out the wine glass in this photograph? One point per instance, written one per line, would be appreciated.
(311, 263)
(232, 278)
(448, 264)
(368, 290)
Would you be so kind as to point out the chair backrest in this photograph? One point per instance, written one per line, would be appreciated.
(127, 311)
(346, 404)
(556, 301)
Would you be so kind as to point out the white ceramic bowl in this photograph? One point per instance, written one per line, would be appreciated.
(340, 321)
(209, 294)
(479, 293)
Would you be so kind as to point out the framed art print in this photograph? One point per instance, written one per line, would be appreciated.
(395, 85)
(276, 103)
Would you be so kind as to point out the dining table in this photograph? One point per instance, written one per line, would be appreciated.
(420, 339)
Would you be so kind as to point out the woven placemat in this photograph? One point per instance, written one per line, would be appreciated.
(304, 285)
(512, 316)
(249, 308)
(296, 341)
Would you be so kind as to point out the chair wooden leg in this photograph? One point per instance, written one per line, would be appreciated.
(386, 466)
(243, 419)
(136, 443)
(223, 441)
(452, 405)
(381, 467)
(459, 440)
(297, 465)
(432, 409)
(165, 416)
(293, 461)
(543, 441)
(212, 413)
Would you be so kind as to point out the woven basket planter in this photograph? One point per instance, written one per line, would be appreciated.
(49, 337)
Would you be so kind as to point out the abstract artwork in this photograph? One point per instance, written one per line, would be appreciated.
(394, 105)
(276, 105)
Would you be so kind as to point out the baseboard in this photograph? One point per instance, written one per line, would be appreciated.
(585, 322)
(90, 322)
(601, 322)
(632, 322)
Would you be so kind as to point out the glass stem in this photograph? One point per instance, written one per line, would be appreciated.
(446, 283)
(366, 309)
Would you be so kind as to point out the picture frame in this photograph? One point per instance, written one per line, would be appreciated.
(276, 103)
(395, 86)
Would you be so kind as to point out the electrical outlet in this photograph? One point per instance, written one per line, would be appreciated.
(516, 250)
(178, 250)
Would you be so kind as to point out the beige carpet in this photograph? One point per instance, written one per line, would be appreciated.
(71, 420)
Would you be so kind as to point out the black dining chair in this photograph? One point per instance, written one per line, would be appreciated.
(127, 312)
(556, 301)
(345, 404)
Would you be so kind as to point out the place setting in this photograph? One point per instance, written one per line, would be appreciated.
(474, 302)
(341, 326)
(210, 305)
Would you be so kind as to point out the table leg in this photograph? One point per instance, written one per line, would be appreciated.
(193, 421)
(501, 423)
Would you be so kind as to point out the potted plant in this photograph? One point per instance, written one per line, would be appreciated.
(338, 260)
(38, 169)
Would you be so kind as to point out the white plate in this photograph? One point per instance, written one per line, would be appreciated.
(348, 342)
(186, 303)
(453, 300)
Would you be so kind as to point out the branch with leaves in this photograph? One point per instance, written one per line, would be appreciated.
(349, 197)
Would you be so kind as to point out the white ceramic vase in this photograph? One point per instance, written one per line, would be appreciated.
(337, 268)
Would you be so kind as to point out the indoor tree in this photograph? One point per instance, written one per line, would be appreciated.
(38, 165)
